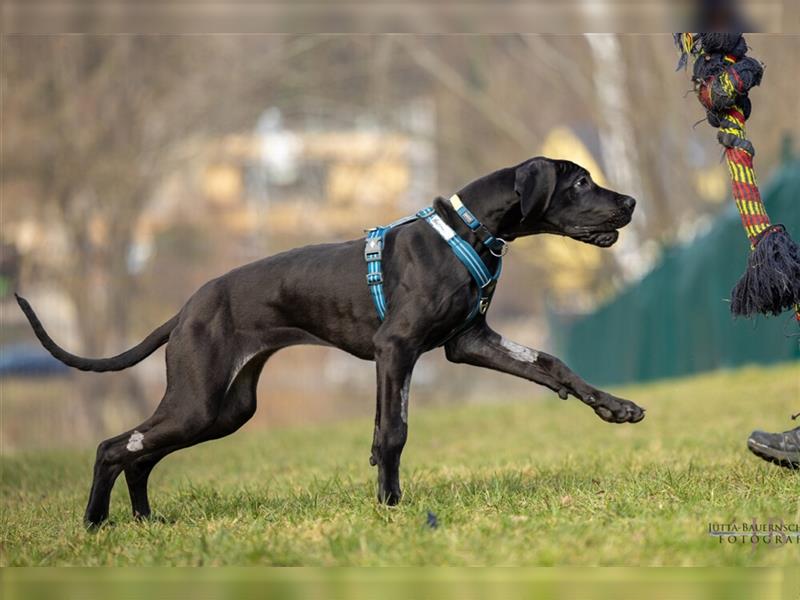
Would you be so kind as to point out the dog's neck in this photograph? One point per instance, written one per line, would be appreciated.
(493, 201)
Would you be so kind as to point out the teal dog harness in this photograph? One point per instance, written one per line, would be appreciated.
(486, 280)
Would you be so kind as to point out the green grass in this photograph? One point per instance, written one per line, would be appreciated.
(527, 482)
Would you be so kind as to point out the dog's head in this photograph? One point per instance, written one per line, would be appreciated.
(558, 196)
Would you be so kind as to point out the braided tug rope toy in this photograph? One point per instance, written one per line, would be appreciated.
(722, 75)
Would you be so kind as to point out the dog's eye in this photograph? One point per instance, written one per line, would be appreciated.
(581, 183)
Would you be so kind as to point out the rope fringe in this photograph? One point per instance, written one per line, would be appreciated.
(723, 75)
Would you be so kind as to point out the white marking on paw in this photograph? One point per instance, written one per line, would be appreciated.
(404, 399)
(135, 442)
(518, 351)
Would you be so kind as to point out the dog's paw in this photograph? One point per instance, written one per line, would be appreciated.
(95, 525)
(389, 490)
(390, 497)
(614, 410)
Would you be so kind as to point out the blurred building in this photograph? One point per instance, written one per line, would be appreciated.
(280, 186)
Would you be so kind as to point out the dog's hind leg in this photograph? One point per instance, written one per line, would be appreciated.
(195, 390)
(136, 476)
(395, 362)
(152, 440)
(137, 451)
(106, 471)
(237, 408)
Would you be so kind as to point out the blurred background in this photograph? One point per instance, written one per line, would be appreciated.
(137, 167)
(389, 16)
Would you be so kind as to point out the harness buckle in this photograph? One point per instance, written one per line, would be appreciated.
(483, 306)
(375, 278)
(373, 249)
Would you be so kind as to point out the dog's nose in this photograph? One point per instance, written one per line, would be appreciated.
(629, 203)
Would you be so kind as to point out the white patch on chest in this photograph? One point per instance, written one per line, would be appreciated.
(518, 351)
(404, 399)
(135, 442)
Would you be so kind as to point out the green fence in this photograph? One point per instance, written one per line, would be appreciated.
(676, 320)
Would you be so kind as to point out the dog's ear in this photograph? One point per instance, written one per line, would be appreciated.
(535, 183)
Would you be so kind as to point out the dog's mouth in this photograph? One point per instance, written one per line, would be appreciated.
(603, 235)
(603, 239)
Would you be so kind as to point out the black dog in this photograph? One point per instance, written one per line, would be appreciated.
(221, 338)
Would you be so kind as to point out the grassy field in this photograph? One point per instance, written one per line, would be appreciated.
(522, 482)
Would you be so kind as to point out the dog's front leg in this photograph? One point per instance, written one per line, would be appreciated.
(483, 347)
(395, 362)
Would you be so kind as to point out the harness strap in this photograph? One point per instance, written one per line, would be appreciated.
(486, 280)
(373, 254)
(463, 251)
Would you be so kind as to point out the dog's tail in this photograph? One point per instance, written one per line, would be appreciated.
(116, 363)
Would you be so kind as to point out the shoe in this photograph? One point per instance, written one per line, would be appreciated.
(782, 449)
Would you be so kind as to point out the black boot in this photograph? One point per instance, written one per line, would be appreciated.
(780, 448)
